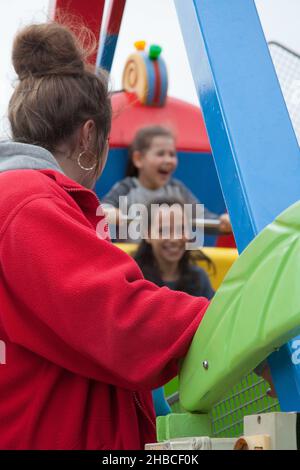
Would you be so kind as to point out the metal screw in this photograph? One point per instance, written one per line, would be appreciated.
(205, 364)
(259, 419)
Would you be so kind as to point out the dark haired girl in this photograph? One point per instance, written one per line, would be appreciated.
(152, 162)
(167, 262)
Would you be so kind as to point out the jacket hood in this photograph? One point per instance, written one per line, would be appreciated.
(18, 156)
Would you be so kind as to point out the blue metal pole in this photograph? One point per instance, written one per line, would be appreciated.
(253, 142)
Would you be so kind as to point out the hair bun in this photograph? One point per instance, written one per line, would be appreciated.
(47, 49)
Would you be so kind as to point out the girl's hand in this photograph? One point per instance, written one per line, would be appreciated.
(225, 225)
(263, 370)
(266, 374)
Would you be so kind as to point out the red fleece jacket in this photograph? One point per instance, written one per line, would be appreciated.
(86, 336)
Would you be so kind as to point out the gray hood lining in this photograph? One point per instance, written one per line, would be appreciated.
(18, 156)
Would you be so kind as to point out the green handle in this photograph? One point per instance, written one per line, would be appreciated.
(255, 311)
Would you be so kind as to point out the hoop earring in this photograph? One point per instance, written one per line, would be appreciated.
(82, 166)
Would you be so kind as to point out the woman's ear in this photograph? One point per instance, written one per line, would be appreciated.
(88, 135)
(137, 158)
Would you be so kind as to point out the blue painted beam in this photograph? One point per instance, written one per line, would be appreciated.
(253, 142)
(107, 52)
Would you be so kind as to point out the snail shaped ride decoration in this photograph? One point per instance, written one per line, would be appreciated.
(145, 74)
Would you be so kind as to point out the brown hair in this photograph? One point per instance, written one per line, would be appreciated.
(142, 142)
(57, 90)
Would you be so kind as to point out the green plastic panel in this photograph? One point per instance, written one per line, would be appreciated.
(171, 387)
(255, 311)
(174, 426)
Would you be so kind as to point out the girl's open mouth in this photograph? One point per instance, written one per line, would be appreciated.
(164, 172)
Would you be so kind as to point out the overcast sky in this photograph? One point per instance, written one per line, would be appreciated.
(152, 20)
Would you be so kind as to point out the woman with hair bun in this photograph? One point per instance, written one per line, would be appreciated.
(84, 336)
